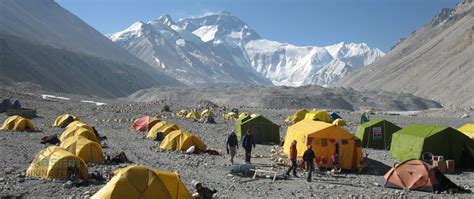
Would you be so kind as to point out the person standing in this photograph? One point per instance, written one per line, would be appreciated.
(248, 142)
(308, 157)
(293, 154)
(232, 145)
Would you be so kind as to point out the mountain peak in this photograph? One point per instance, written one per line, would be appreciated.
(166, 19)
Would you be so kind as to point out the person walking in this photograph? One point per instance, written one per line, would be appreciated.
(308, 157)
(232, 145)
(293, 154)
(248, 142)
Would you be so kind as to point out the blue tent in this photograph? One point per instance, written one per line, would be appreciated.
(334, 115)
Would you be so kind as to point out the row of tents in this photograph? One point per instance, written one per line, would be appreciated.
(170, 135)
(78, 147)
(194, 114)
(415, 140)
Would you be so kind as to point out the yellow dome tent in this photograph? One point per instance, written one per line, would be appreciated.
(56, 163)
(230, 116)
(161, 127)
(322, 116)
(78, 131)
(323, 136)
(467, 129)
(182, 113)
(193, 115)
(180, 140)
(64, 120)
(18, 123)
(139, 182)
(87, 150)
(174, 184)
(207, 112)
(298, 116)
(339, 122)
(80, 124)
(243, 114)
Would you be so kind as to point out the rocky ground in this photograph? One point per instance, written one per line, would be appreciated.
(113, 120)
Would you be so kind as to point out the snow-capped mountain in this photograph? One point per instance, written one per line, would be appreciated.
(180, 53)
(221, 49)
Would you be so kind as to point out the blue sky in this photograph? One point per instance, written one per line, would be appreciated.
(379, 23)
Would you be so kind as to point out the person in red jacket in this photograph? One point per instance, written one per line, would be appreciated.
(293, 154)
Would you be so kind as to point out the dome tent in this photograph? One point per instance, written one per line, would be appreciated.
(87, 150)
(56, 163)
(139, 182)
(63, 120)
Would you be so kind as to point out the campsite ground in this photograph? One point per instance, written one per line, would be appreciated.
(18, 150)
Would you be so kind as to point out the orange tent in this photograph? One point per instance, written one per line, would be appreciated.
(417, 175)
(144, 123)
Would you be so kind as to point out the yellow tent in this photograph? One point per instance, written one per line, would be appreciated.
(193, 115)
(468, 129)
(207, 112)
(56, 163)
(230, 116)
(180, 140)
(64, 120)
(87, 150)
(322, 116)
(323, 137)
(80, 124)
(174, 184)
(243, 114)
(139, 182)
(182, 113)
(18, 123)
(339, 122)
(161, 127)
(78, 131)
(298, 116)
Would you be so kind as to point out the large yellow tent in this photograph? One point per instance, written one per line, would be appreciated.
(161, 127)
(87, 150)
(56, 163)
(64, 120)
(193, 115)
(174, 184)
(298, 116)
(468, 129)
(18, 123)
(182, 113)
(322, 116)
(78, 131)
(180, 140)
(139, 182)
(323, 136)
(79, 124)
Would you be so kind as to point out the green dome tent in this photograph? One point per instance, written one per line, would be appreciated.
(376, 134)
(414, 140)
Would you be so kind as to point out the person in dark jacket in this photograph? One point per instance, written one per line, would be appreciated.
(233, 145)
(293, 154)
(248, 142)
(308, 157)
(202, 192)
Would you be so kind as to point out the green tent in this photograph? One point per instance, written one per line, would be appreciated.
(376, 134)
(414, 140)
(263, 130)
